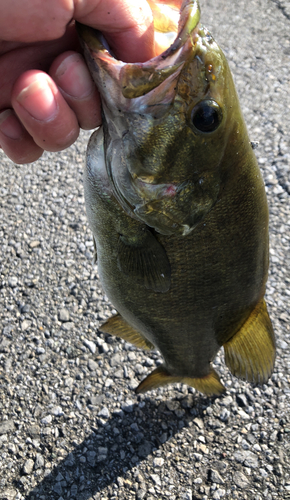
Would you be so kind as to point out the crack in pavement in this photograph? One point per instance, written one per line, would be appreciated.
(284, 6)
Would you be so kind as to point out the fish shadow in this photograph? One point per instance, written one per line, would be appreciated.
(116, 446)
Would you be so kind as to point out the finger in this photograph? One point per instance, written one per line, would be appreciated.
(71, 75)
(44, 112)
(21, 58)
(26, 18)
(127, 26)
(15, 140)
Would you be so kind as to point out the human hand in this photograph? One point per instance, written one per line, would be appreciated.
(46, 91)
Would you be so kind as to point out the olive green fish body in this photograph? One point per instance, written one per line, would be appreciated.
(177, 206)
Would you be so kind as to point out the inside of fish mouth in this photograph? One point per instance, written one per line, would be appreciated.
(165, 18)
(105, 44)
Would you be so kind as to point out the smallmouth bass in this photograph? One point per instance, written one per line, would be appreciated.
(177, 206)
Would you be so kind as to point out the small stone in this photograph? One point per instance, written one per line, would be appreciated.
(5, 345)
(128, 407)
(224, 415)
(226, 401)
(187, 495)
(25, 325)
(67, 326)
(73, 491)
(188, 401)
(12, 448)
(70, 460)
(96, 400)
(156, 479)
(251, 461)
(243, 414)
(172, 405)
(57, 488)
(215, 477)
(46, 420)
(109, 382)
(139, 369)
(6, 426)
(63, 315)
(116, 360)
(104, 412)
(40, 350)
(91, 458)
(144, 449)
(158, 462)
(263, 473)
(34, 244)
(39, 461)
(57, 411)
(242, 400)
(92, 365)
(219, 494)
(12, 281)
(90, 345)
(25, 308)
(34, 430)
(282, 344)
(68, 382)
(102, 454)
(28, 466)
(240, 480)
(104, 348)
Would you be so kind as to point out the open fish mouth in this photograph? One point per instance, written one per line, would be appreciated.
(132, 92)
(176, 21)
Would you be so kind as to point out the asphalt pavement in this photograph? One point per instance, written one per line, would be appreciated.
(71, 426)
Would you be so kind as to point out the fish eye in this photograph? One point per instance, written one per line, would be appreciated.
(206, 116)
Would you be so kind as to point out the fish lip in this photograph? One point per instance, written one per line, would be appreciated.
(138, 79)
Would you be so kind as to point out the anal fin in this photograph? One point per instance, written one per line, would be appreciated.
(209, 385)
(250, 353)
(116, 325)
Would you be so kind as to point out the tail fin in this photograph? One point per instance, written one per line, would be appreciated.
(209, 385)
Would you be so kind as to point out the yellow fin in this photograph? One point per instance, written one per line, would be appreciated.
(250, 354)
(209, 385)
(116, 325)
(159, 377)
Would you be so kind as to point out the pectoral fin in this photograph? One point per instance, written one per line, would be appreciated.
(209, 385)
(144, 259)
(250, 354)
(117, 326)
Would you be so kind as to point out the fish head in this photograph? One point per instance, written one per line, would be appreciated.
(167, 122)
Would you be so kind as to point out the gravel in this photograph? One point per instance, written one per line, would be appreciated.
(71, 426)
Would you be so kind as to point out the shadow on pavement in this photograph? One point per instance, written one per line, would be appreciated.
(116, 446)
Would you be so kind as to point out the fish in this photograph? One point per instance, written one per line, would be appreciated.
(177, 206)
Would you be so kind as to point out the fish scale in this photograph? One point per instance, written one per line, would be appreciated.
(178, 210)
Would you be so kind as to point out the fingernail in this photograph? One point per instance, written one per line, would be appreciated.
(38, 99)
(10, 125)
(74, 77)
